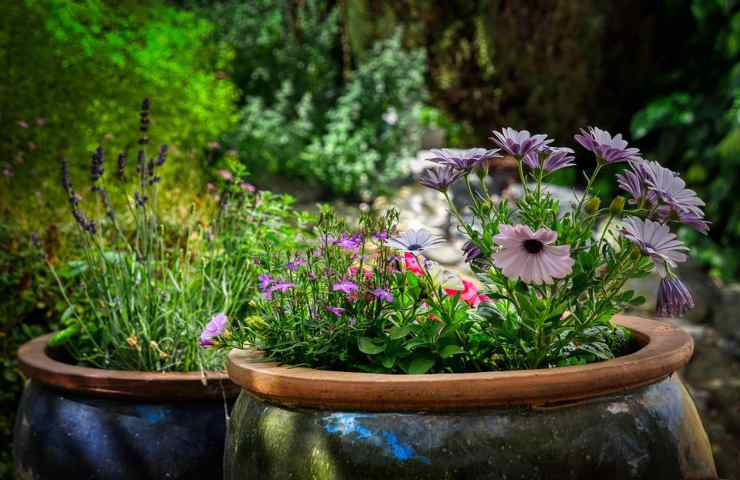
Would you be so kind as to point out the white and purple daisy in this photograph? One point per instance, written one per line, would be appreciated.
(439, 178)
(605, 147)
(213, 329)
(414, 240)
(671, 190)
(655, 240)
(464, 160)
(549, 159)
(674, 299)
(531, 256)
(519, 143)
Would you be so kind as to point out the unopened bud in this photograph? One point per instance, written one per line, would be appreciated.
(592, 206)
(617, 206)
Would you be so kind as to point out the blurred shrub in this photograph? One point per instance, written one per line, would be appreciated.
(72, 71)
(311, 108)
(694, 126)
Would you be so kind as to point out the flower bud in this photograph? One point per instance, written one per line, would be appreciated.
(617, 206)
(592, 206)
(256, 322)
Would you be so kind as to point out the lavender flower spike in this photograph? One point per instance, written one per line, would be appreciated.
(674, 299)
(439, 178)
(605, 147)
(655, 240)
(519, 143)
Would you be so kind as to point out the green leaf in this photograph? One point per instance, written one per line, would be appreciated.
(368, 346)
(399, 332)
(637, 301)
(451, 350)
(420, 363)
(64, 336)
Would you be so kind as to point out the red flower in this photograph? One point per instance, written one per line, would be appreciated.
(412, 264)
(469, 293)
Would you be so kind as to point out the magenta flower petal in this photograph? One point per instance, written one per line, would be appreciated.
(530, 256)
(213, 329)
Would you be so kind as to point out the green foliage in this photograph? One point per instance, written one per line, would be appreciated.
(73, 70)
(695, 126)
(309, 111)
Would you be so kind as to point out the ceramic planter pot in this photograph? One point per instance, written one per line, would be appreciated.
(626, 418)
(89, 423)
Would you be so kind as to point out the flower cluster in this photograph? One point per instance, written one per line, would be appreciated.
(556, 279)
(366, 300)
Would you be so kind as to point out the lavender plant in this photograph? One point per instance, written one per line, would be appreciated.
(146, 286)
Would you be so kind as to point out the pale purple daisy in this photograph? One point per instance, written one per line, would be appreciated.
(471, 251)
(226, 175)
(414, 240)
(349, 243)
(531, 256)
(674, 299)
(214, 328)
(295, 264)
(380, 236)
(345, 286)
(383, 294)
(633, 180)
(671, 190)
(338, 311)
(519, 143)
(282, 286)
(549, 159)
(464, 160)
(655, 240)
(604, 146)
(264, 281)
(439, 178)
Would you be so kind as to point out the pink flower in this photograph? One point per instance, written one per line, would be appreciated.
(214, 328)
(23, 124)
(214, 145)
(40, 121)
(210, 186)
(338, 311)
(469, 293)
(345, 286)
(412, 264)
(247, 187)
(225, 174)
(530, 256)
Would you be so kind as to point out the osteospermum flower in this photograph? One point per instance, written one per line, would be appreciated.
(464, 160)
(531, 256)
(604, 146)
(439, 178)
(349, 243)
(670, 189)
(674, 299)
(633, 180)
(519, 143)
(414, 240)
(655, 240)
(550, 159)
(471, 251)
(213, 329)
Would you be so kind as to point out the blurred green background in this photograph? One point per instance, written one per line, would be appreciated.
(332, 95)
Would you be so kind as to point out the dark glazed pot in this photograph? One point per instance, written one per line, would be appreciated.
(626, 418)
(87, 423)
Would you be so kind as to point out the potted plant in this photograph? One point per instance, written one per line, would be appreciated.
(368, 361)
(124, 390)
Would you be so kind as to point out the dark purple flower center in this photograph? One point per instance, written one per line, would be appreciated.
(414, 246)
(533, 246)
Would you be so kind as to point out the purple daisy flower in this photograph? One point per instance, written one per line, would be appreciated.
(383, 294)
(439, 178)
(281, 286)
(295, 264)
(338, 311)
(549, 159)
(345, 286)
(604, 146)
(464, 160)
(471, 251)
(414, 240)
(531, 256)
(380, 236)
(349, 243)
(264, 282)
(519, 143)
(674, 299)
(213, 329)
(655, 240)
(671, 190)
(633, 180)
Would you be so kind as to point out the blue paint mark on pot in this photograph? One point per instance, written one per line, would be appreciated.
(346, 424)
(153, 414)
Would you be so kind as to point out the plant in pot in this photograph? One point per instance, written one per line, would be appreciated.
(365, 359)
(124, 390)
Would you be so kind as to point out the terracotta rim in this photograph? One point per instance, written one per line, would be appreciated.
(665, 349)
(35, 362)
